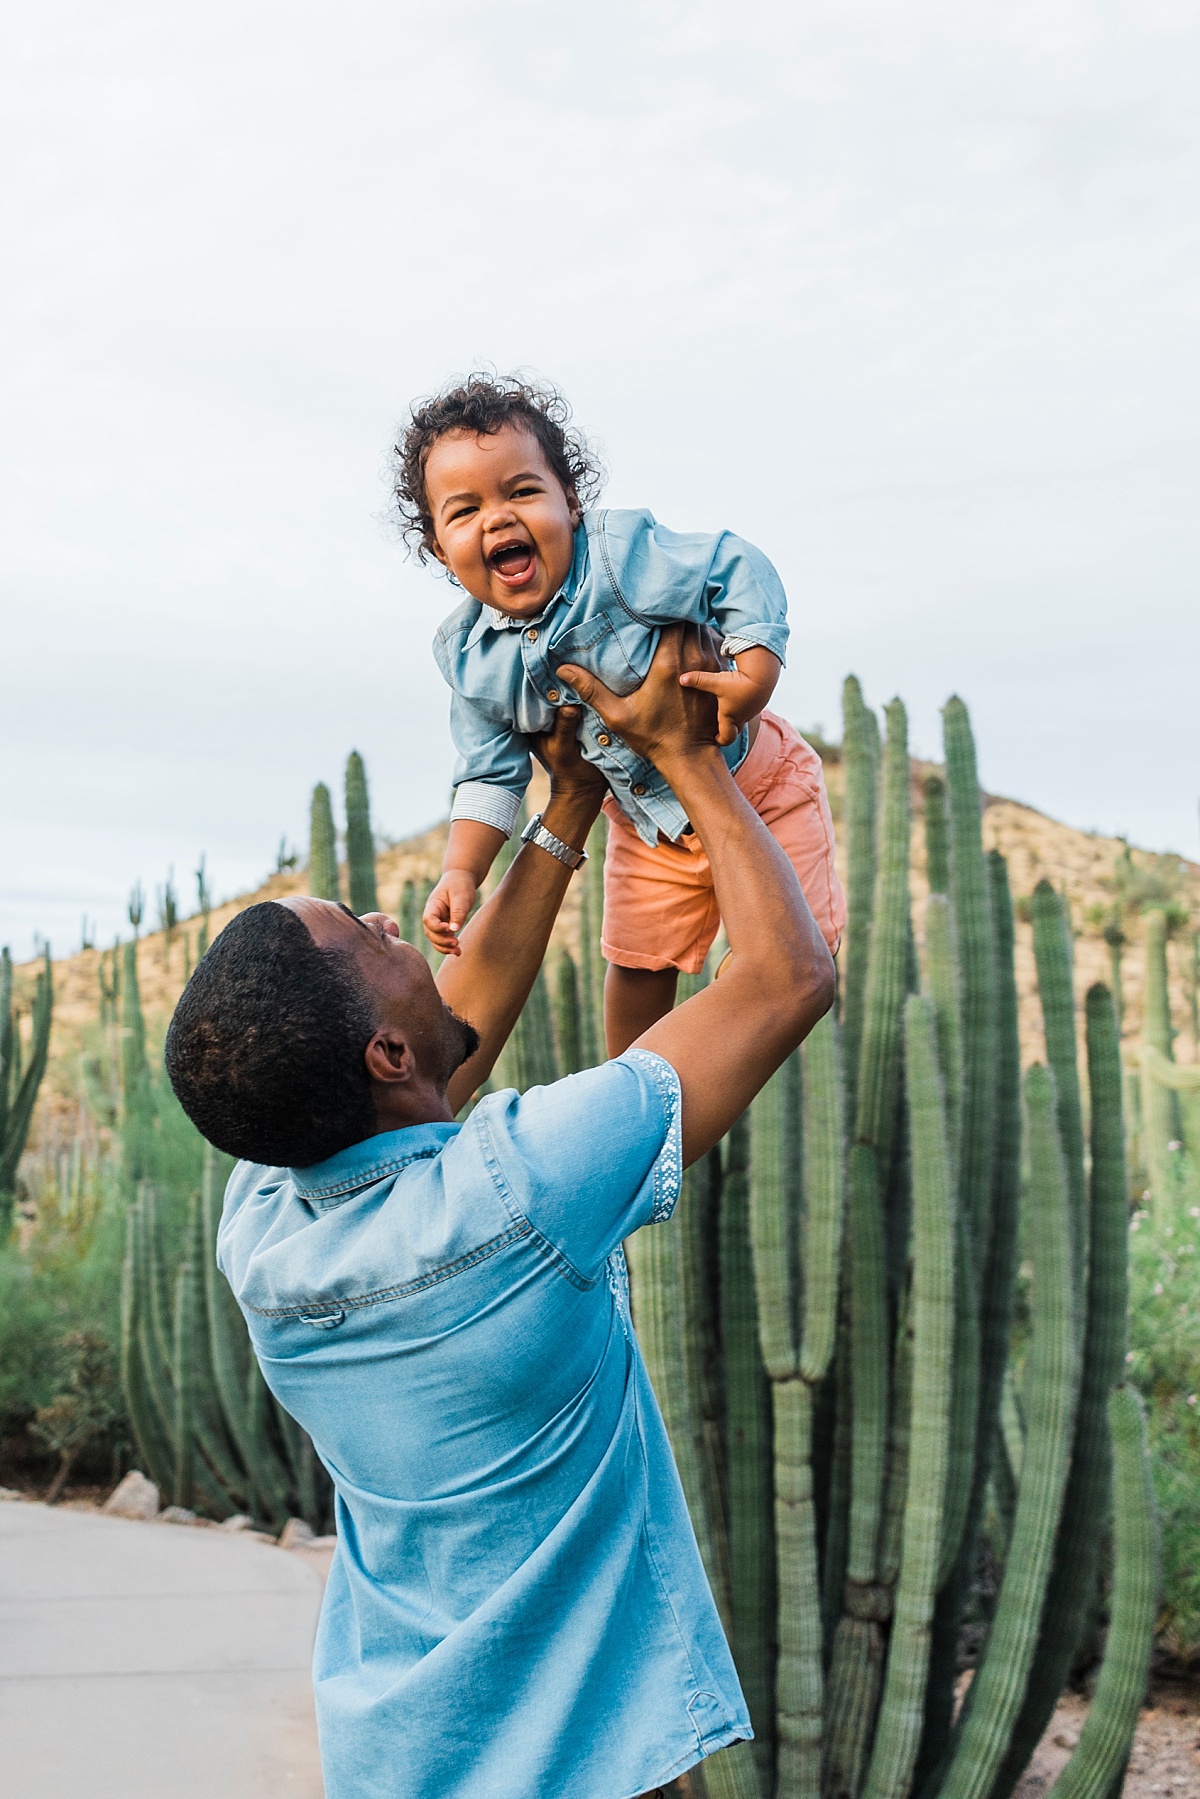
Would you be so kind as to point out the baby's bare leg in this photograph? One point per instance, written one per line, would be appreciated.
(634, 999)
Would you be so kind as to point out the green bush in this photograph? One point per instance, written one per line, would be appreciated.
(1164, 1358)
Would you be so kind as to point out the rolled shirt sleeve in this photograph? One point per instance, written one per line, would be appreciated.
(593, 1157)
(660, 575)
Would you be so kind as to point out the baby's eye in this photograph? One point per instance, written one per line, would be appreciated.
(462, 512)
(520, 493)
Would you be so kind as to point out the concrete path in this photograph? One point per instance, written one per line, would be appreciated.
(152, 1661)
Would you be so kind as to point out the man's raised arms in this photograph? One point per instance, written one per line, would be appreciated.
(503, 945)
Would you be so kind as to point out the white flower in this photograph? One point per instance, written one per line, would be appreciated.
(1191, 1399)
(1195, 1212)
(1158, 1289)
(1176, 1146)
(1129, 1355)
(1136, 1225)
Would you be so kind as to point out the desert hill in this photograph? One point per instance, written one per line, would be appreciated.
(1077, 862)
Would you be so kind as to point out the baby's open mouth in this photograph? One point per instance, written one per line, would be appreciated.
(512, 560)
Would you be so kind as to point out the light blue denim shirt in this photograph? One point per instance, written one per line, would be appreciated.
(517, 1605)
(629, 577)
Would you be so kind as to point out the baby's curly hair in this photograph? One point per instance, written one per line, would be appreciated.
(484, 403)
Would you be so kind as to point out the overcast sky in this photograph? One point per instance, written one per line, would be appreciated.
(906, 294)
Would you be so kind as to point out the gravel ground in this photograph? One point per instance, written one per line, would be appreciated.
(1166, 1752)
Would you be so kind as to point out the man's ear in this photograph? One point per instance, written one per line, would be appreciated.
(389, 1059)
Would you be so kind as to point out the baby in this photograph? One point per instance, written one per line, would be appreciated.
(492, 481)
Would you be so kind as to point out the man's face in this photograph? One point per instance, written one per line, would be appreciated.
(505, 527)
(399, 981)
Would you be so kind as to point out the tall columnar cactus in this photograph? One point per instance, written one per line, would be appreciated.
(1052, 952)
(1000, 1681)
(592, 966)
(857, 1648)
(749, 1456)
(567, 1033)
(19, 1085)
(937, 835)
(941, 966)
(360, 840)
(861, 761)
(137, 1106)
(976, 953)
(1160, 1105)
(204, 907)
(1073, 1583)
(932, 1309)
(1096, 1769)
(323, 882)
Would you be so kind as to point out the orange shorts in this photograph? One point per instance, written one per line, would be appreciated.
(660, 910)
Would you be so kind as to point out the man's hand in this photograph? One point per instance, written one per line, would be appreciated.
(740, 692)
(662, 719)
(561, 755)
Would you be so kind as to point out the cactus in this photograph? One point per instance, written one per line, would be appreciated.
(937, 835)
(941, 957)
(1000, 1680)
(861, 759)
(752, 1550)
(182, 1371)
(592, 966)
(204, 907)
(1072, 1588)
(902, 1708)
(1160, 1104)
(323, 880)
(19, 1085)
(567, 1032)
(360, 842)
(976, 952)
(1052, 953)
(1097, 1767)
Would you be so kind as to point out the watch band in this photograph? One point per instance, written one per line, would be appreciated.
(536, 832)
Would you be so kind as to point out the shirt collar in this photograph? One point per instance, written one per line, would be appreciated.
(362, 1164)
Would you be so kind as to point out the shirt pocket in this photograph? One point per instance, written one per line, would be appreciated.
(618, 652)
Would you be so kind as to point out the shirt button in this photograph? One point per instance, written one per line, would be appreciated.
(554, 696)
(639, 787)
(603, 739)
(531, 635)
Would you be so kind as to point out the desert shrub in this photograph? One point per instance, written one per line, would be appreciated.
(1164, 1360)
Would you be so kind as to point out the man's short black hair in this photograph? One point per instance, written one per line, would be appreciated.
(265, 1051)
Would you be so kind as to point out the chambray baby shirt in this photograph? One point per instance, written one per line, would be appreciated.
(517, 1607)
(629, 577)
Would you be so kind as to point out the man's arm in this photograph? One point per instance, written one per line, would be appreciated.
(503, 945)
(727, 1041)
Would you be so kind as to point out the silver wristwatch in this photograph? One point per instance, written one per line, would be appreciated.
(536, 832)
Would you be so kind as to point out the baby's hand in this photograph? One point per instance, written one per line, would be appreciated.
(447, 909)
(741, 692)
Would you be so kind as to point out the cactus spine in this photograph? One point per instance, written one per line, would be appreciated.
(323, 880)
(1097, 1767)
(360, 841)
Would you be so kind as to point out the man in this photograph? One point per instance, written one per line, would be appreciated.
(516, 1607)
